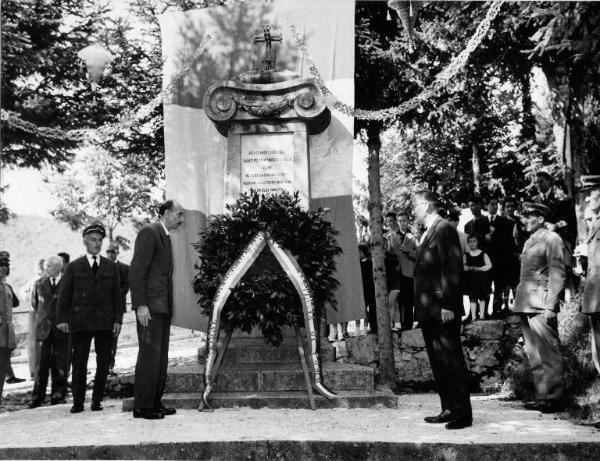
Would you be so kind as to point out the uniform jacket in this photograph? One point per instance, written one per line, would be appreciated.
(561, 210)
(124, 279)
(542, 278)
(44, 301)
(405, 248)
(591, 289)
(8, 300)
(151, 270)
(90, 303)
(438, 272)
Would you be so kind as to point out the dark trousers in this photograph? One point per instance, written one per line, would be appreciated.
(406, 301)
(4, 366)
(152, 361)
(542, 347)
(595, 327)
(113, 352)
(445, 353)
(54, 359)
(81, 341)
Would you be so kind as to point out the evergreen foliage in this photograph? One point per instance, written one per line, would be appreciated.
(265, 297)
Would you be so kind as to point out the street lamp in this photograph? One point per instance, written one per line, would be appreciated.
(96, 58)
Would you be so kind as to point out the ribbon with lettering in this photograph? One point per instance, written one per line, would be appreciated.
(232, 278)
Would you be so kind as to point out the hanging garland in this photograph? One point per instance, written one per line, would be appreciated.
(433, 89)
(265, 297)
(130, 119)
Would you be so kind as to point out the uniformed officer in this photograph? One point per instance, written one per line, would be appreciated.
(541, 284)
(591, 290)
(89, 304)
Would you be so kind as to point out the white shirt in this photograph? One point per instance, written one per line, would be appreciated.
(164, 227)
(91, 260)
(428, 222)
(55, 279)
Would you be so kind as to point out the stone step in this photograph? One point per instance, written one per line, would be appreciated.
(381, 397)
(258, 377)
(254, 352)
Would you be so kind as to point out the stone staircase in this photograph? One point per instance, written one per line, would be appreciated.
(259, 376)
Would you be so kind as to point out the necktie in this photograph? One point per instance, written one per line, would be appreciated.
(53, 283)
(94, 266)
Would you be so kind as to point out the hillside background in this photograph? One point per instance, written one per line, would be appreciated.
(29, 238)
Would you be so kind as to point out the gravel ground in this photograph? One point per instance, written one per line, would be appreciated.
(495, 421)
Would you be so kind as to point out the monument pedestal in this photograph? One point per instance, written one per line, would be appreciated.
(259, 376)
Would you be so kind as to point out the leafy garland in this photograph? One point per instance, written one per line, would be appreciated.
(265, 297)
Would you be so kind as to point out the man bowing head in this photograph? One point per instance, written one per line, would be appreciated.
(151, 284)
(89, 306)
(438, 308)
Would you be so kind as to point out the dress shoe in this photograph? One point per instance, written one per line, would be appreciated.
(532, 405)
(550, 406)
(76, 409)
(57, 401)
(15, 380)
(444, 417)
(147, 413)
(459, 423)
(34, 404)
(167, 411)
(96, 406)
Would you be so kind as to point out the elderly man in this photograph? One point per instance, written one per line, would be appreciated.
(151, 281)
(439, 307)
(8, 300)
(541, 283)
(54, 355)
(90, 306)
(591, 289)
(112, 253)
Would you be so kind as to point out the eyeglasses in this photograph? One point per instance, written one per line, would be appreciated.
(111, 251)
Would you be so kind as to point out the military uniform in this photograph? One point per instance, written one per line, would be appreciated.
(591, 289)
(541, 284)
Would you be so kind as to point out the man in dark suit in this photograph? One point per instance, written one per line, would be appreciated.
(479, 225)
(112, 252)
(541, 285)
(151, 282)
(438, 308)
(500, 247)
(89, 306)
(54, 356)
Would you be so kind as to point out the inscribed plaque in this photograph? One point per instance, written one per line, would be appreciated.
(267, 163)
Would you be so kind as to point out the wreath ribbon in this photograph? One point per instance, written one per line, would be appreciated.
(232, 278)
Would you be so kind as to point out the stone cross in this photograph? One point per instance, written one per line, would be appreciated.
(268, 39)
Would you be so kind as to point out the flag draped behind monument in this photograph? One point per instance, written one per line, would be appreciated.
(196, 153)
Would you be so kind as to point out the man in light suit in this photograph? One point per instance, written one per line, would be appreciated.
(541, 285)
(591, 289)
(89, 306)
(438, 308)
(151, 283)
(54, 355)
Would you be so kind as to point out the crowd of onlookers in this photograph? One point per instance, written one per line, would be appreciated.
(492, 237)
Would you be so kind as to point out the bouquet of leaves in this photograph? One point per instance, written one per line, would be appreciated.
(265, 297)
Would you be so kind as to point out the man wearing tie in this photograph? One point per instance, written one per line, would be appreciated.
(89, 306)
(151, 283)
(439, 307)
(54, 355)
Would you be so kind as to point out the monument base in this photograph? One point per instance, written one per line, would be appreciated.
(259, 376)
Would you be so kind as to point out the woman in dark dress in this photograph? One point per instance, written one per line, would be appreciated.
(477, 266)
